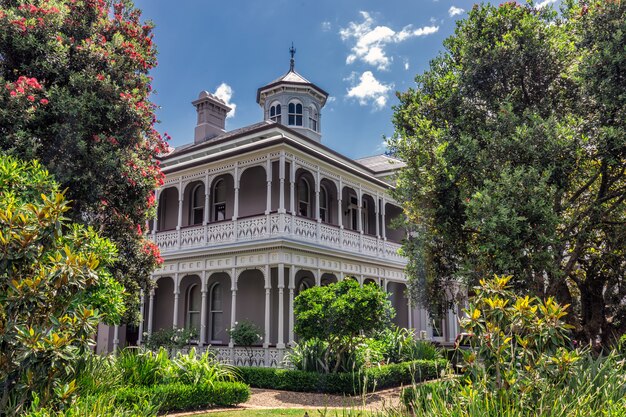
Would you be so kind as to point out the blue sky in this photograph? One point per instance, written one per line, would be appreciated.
(360, 52)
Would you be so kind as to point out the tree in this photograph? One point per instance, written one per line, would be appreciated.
(515, 144)
(54, 288)
(340, 314)
(74, 94)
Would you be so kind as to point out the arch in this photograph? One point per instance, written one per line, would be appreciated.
(250, 298)
(391, 213)
(294, 113)
(217, 323)
(330, 214)
(305, 194)
(368, 281)
(193, 203)
(163, 303)
(313, 118)
(193, 306)
(327, 279)
(168, 209)
(276, 112)
(304, 279)
(399, 301)
(222, 198)
(350, 208)
(368, 215)
(252, 191)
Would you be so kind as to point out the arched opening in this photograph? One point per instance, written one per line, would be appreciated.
(295, 113)
(350, 209)
(168, 209)
(368, 215)
(392, 213)
(327, 279)
(304, 279)
(193, 204)
(328, 214)
(222, 198)
(218, 309)
(163, 304)
(193, 305)
(216, 313)
(399, 301)
(305, 194)
(252, 191)
(251, 298)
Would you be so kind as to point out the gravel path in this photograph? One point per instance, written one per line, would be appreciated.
(268, 398)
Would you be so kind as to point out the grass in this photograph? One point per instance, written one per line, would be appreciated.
(287, 412)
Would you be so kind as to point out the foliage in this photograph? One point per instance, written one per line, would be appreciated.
(515, 144)
(341, 314)
(245, 333)
(179, 397)
(368, 379)
(141, 367)
(191, 370)
(75, 95)
(103, 405)
(400, 345)
(170, 339)
(54, 288)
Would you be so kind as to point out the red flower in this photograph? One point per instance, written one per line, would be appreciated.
(31, 98)
(44, 101)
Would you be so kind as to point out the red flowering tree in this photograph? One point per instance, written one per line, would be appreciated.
(75, 94)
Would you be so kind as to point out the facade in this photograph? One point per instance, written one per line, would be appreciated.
(249, 218)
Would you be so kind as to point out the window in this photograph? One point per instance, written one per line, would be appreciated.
(304, 204)
(216, 313)
(193, 303)
(219, 200)
(196, 216)
(275, 113)
(295, 114)
(353, 209)
(313, 118)
(324, 204)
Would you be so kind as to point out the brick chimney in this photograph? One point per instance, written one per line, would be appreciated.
(212, 113)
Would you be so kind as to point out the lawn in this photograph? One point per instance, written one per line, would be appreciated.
(288, 412)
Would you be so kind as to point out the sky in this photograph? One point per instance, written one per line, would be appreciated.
(360, 52)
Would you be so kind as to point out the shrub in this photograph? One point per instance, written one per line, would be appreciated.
(179, 397)
(170, 339)
(103, 405)
(142, 367)
(378, 377)
(189, 369)
(245, 333)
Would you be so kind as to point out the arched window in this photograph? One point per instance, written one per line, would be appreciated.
(275, 113)
(295, 114)
(324, 204)
(304, 202)
(313, 117)
(353, 212)
(193, 303)
(196, 215)
(219, 200)
(216, 313)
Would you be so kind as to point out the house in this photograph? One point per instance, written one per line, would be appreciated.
(248, 218)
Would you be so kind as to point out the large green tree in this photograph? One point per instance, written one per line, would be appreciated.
(54, 288)
(75, 95)
(515, 144)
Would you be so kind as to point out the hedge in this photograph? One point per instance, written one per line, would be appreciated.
(179, 397)
(384, 376)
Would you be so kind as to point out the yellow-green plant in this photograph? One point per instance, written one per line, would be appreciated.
(519, 343)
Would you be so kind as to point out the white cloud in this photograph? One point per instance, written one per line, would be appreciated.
(225, 92)
(453, 11)
(330, 99)
(406, 64)
(370, 91)
(545, 3)
(370, 42)
(326, 26)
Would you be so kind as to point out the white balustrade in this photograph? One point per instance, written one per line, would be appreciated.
(276, 225)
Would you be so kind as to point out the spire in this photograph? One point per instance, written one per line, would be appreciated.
(292, 61)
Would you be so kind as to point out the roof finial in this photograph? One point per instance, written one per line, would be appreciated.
(292, 62)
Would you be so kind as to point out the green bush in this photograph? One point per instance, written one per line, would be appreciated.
(142, 367)
(377, 377)
(245, 333)
(179, 397)
(169, 339)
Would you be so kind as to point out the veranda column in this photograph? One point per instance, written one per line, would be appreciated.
(292, 187)
(155, 225)
(180, 207)
(281, 179)
(268, 287)
(116, 338)
(292, 287)
(236, 206)
(318, 218)
(141, 312)
(176, 294)
(150, 312)
(268, 176)
(280, 344)
(233, 304)
(360, 211)
(410, 309)
(207, 200)
(377, 212)
(383, 226)
(203, 310)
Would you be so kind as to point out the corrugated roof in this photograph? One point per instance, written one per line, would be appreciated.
(381, 163)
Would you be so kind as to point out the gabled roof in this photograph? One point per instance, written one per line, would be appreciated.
(381, 163)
